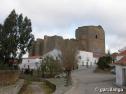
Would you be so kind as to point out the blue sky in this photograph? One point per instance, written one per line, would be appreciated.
(62, 17)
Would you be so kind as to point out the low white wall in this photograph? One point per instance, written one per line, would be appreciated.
(119, 75)
(32, 63)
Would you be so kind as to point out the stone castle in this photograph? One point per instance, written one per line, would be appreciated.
(88, 38)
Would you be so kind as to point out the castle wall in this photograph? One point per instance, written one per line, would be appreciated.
(37, 48)
(52, 42)
(72, 43)
(49, 44)
(88, 38)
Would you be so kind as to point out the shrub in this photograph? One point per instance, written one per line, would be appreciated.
(50, 67)
(5, 66)
(104, 62)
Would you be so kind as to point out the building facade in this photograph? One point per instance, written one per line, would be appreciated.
(86, 59)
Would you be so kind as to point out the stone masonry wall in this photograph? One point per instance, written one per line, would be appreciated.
(88, 38)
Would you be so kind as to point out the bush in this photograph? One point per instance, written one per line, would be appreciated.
(50, 86)
(50, 67)
(104, 62)
(5, 66)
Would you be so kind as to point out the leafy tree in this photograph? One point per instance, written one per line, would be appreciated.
(1, 37)
(50, 67)
(69, 60)
(18, 39)
(104, 62)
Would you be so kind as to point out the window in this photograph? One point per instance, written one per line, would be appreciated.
(79, 57)
(96, 36)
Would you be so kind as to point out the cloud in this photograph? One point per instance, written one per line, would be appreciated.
(62, 17)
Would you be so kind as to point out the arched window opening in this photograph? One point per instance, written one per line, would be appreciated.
(96, 36)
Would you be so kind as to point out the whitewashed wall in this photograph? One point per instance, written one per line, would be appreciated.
(83, 57)
(120, 75)
(32, 63)
(35, 62)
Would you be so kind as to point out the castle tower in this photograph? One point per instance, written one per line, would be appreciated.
(92, 39)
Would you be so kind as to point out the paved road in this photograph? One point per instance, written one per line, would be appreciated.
(87, 82)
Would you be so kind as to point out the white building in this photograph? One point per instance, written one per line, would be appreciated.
(120, 67)
(32, 63)
(55, 53)
(120, 75)
(86, 58)
(35, 61)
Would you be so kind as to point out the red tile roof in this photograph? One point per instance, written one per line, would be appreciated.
(34, 57)
(122, 61)
(123, 53)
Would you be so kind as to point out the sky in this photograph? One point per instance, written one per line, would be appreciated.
(63, 17)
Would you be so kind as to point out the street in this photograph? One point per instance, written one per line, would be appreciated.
(85, 81)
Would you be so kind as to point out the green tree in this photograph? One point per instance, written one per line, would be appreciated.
(18, 39)
(50, 67)
(1, 37)
(104, 62)
(69, 60)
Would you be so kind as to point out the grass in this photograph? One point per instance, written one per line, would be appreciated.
(8, 77)
(28, 80)
(46, 86)
(47, 89)
(25, 89)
